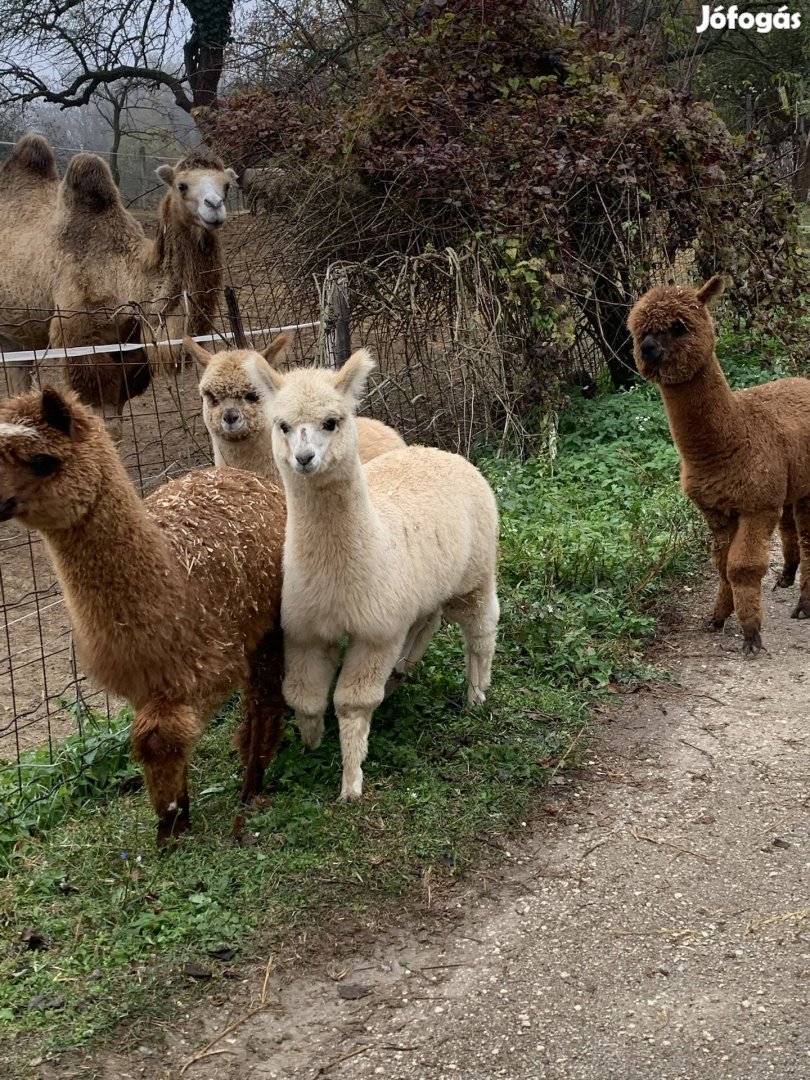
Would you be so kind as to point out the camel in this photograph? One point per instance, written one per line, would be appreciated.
(78, 268)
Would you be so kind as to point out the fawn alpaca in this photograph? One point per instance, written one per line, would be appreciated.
(377, 552)
(745, 454)
(174, 601)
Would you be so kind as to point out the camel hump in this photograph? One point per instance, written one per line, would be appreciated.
(32, 155)
(89, 184)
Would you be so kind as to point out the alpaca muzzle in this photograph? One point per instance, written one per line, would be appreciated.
(652, 350)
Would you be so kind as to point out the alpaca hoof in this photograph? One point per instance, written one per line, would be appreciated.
(169, 831)
(475, 696)
(785, 580)
(801, 611)
(752, 645)
(714, 625)
(351, 790)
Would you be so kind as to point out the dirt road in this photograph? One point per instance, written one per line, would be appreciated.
(654, 922)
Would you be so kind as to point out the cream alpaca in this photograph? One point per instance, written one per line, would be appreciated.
(174, 601)
(375, 552)
(235, 413)
(78, 268)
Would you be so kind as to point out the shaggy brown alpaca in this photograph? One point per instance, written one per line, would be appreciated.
(78, 269)
(745, 454)
(235, 410)
(174, 601)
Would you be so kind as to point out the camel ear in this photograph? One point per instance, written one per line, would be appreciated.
(197, 353)
(56, 411)
(712, 289)
(274, 352)
(166, 174)
(351, 378)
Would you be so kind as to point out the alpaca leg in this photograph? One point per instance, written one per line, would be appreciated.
(723, 528)
(310, 669)
(360, 689)
(419, 637)
(477, 614)
(791, 552)
(263, 706)
(163, 735)
(802, 515)
(746, 567)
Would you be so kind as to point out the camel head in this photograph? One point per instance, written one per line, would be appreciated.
(312, 411)
(673, 331)
(232, 391)
(51, 467)
(198, 186)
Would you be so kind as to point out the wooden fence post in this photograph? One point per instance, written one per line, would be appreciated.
(235, 319)
(338, 337)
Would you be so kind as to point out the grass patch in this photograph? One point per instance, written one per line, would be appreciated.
(588, 543)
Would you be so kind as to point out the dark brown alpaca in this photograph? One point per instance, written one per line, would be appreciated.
(745, 454)
(174, 601)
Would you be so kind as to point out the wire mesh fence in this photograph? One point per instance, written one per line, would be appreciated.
(441, 379)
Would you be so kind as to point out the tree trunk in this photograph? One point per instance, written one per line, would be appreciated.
(801, 181)
(116, 141)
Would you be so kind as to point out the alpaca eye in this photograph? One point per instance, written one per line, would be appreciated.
(252, 397)
(330, 424)
(678, 329)
(211, 399)
(43, 464)
(285, 428)
(182, 188)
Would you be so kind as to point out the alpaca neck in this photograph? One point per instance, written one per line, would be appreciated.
(112, 564)
(251, 455)
(332, 524)
(701, 414)
(185, 258)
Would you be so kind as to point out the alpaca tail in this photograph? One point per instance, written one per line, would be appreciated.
(89, 185)
(32, 156)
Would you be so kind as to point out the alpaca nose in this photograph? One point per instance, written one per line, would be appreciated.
(7, 508)
(304, 457)
(651, 349)
(230, 416)
(214, 202)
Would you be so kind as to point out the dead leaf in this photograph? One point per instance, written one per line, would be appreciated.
(352, 991)
(195, 971)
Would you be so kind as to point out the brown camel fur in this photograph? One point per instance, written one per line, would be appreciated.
(745, 454)
(78, 268)
(174, 601)
(235, 410)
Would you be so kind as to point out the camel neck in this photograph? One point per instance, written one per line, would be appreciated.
(701, 414)
(187, 258)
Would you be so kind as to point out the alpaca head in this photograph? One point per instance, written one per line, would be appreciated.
(198, 186)
(673, 331)
(233, 393)
(51, 472)
(313, 415)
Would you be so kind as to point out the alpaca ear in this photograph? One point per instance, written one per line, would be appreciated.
(232, 175)
(56, 411)
(712, 289)
(272, 379)
(274, 352)
(166, 174)
(197, 353)
(351, 378)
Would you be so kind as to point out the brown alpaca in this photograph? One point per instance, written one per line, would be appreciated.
(78, 268)
(745, 454)
(234, 396)
(174, 601)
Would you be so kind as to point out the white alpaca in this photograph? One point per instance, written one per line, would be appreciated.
(377, 553)
(235, 410)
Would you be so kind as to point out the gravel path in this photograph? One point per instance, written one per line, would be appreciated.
(654, 922)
